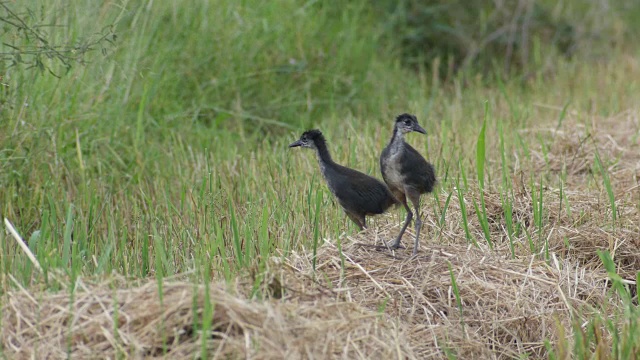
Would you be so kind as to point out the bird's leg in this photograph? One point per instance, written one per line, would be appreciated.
(414, 196)
(407, 221)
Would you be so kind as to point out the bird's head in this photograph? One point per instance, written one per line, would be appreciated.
(406, 123)
(308, 139)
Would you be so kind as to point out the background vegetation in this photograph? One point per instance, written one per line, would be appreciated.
(157, 144)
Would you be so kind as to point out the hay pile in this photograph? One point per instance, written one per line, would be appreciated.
(49, 326)
(580, 215)
(506, 307)
(572, 148)
(378, 306)
(576, 226)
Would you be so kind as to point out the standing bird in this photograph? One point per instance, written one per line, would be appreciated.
(358, 194)
(406, 172)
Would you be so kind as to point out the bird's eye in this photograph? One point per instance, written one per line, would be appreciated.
(407, 122)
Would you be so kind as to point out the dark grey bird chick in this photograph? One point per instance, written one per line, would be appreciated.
(358, 194)
(406, 172)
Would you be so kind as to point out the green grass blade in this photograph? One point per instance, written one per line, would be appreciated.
(68, 231)
(616, 279)
(463, 212)
(444, 211)
(456, 293)
(608, 187)
(316, 228)
(481, 212)
(144, 271)
(237, 242)
(480, 148)
(562, 115)
(456, 290)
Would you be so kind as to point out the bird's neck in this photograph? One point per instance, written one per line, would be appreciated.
(324, 158)
(397, 141)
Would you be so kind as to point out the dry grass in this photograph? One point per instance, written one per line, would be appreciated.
(508, 307)
(584, 226)
(49, 325)
(572, 150)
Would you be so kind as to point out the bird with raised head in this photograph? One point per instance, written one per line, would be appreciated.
(358, 194)
(407, 173)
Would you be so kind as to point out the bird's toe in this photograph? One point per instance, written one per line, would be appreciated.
(396, 246)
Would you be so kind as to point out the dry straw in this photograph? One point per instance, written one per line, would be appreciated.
(377, 307)
(47, 325)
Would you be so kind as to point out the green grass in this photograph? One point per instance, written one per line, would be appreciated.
(480, 167)
(169, 154)
(623, 326)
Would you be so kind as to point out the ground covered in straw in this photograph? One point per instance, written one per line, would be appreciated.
(362, 303)
(374, 306)
(456, 297)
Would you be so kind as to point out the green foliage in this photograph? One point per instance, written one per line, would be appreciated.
(463, 210)
(506, 193)
(27, 40)
(115, 140)
(608, 187)
(616, 337)
(316, 227)
(484, 34)
(252, 68)
(481, 210)
(480, 148)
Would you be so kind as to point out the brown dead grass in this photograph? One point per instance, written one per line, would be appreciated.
(48, 325)
(572, 149)
(582, 217)
(508, 306)
(367, 304)
(577, 224)
(380, 306)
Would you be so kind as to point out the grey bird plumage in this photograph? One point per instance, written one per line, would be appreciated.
(358, 194)
(407, 173)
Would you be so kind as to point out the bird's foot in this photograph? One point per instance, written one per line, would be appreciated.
(391, 246)
(394, 246)
(370, 245)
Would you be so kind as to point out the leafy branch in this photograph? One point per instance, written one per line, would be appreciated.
(29, 44)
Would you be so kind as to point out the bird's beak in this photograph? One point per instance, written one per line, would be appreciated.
(419, 129)
(295, 144)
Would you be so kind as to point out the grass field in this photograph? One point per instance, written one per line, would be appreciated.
(167, 216)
